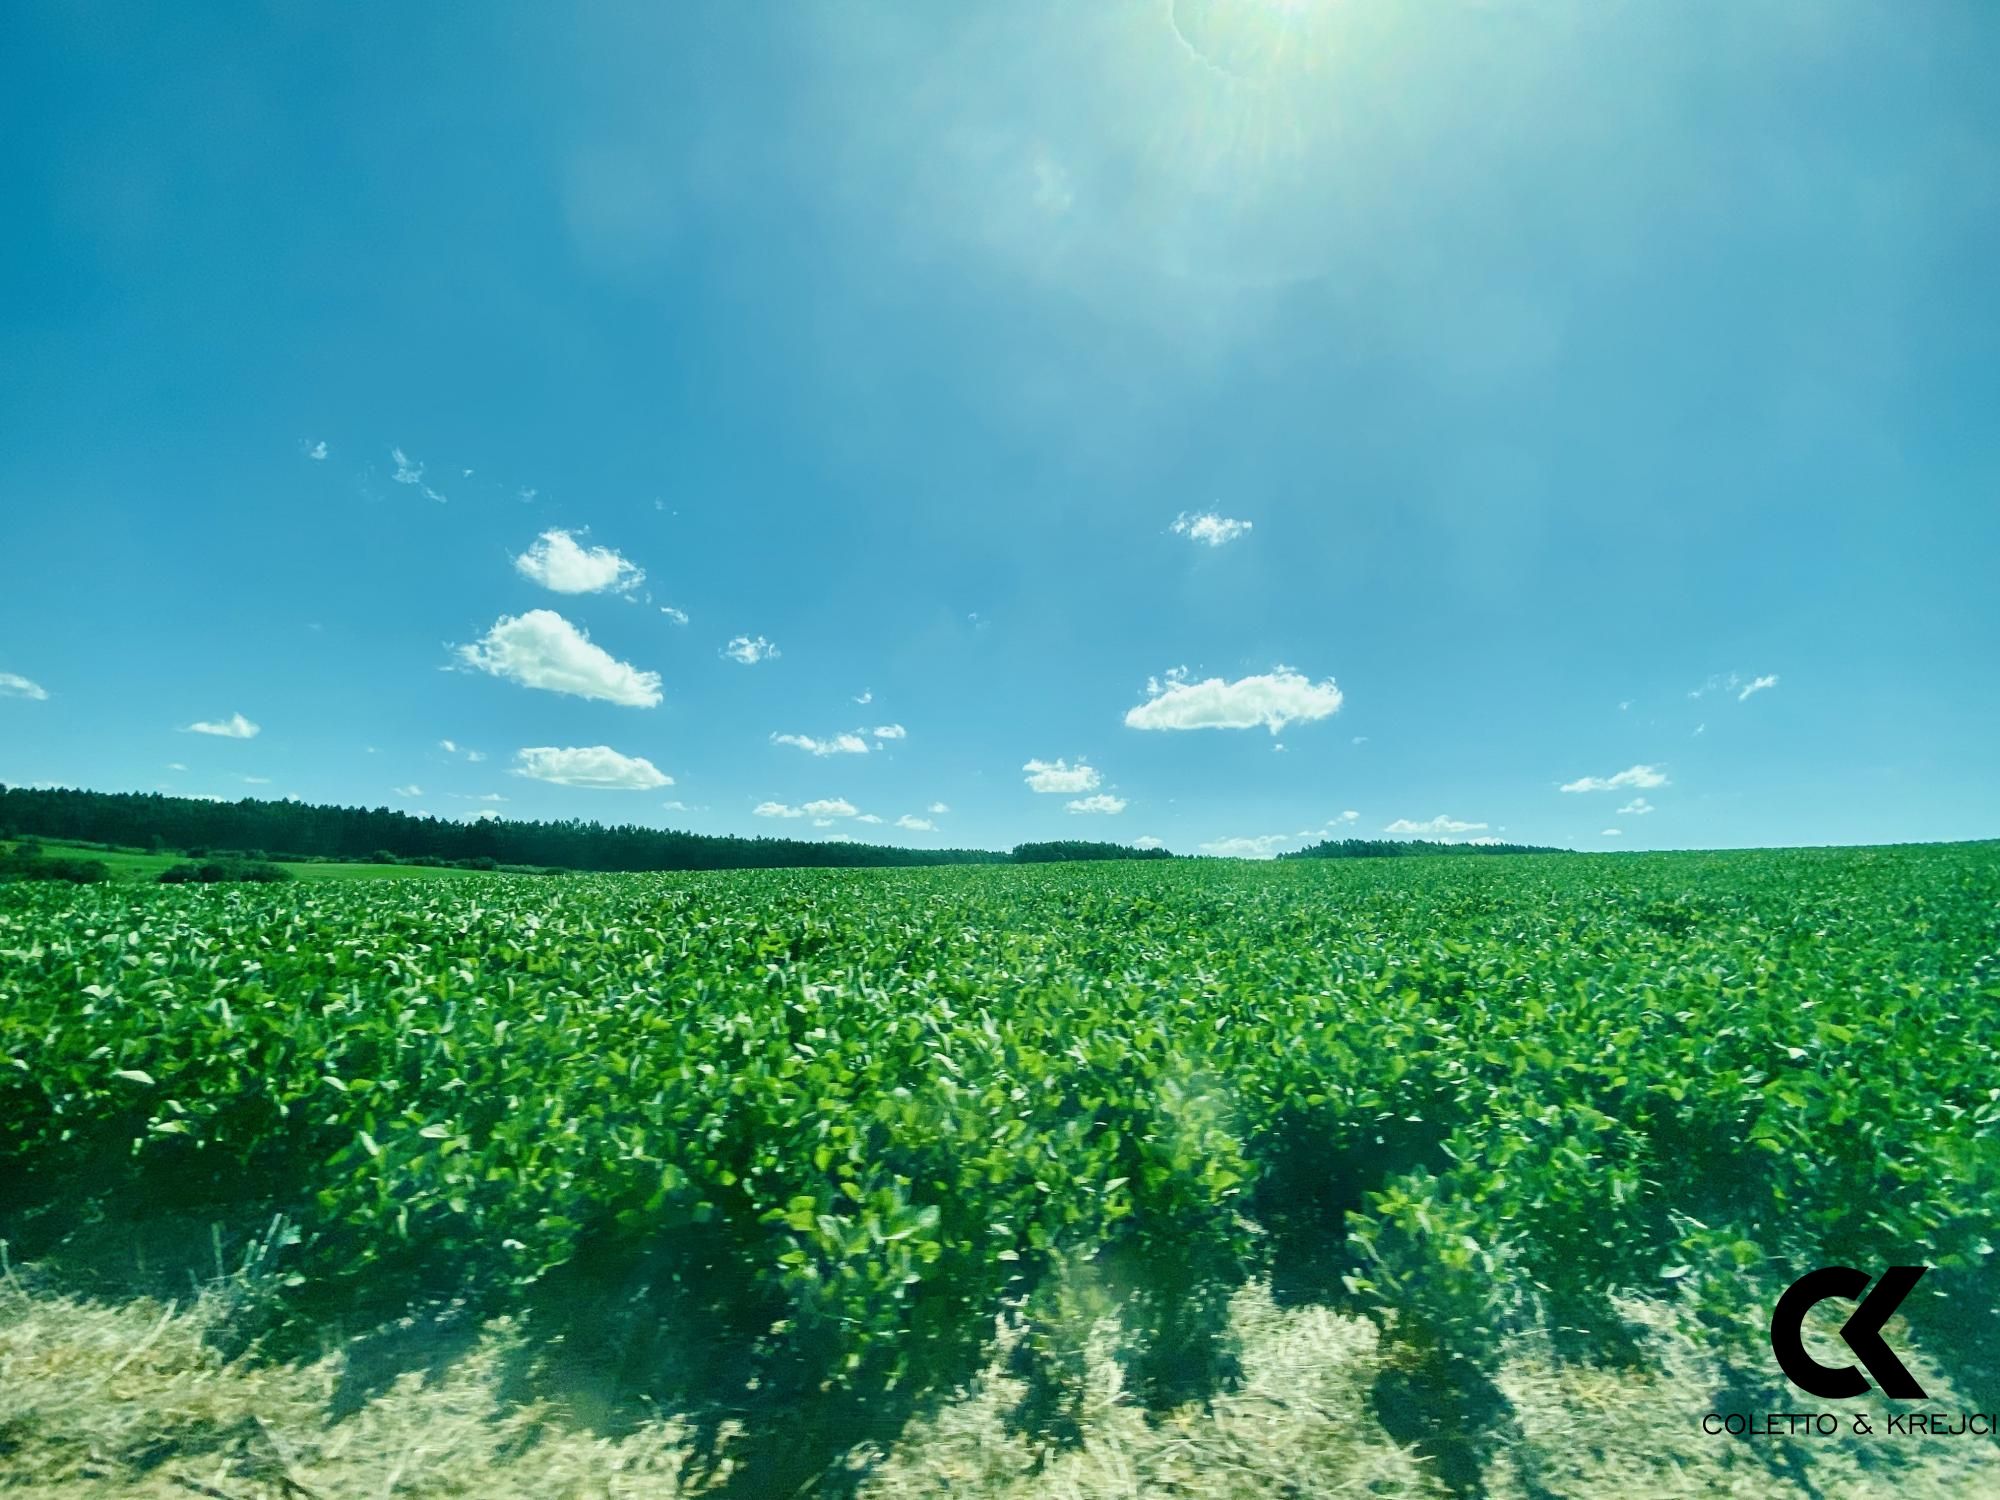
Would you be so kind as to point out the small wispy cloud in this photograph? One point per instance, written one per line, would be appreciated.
(1647, 777)
(452, 747)
(1638, 807)
(1103, 802)
(865, 696)
(14, 685)
(1612, 833)
(413, 790)
(1209, 528)
(678, 616)
(839, 744)
(1147, 841)
(891, 732)
(235, 727)
(749, 650)
(411, 473)
(1733, 682)
(916, 824)
(256, 781)
(1350, 816)
(937, 809)
(316, 451)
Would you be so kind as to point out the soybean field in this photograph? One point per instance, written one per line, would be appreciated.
(800, 1154)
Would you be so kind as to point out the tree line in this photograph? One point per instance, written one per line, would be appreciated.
(303, 830)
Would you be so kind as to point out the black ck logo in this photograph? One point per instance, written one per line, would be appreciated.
(1862, 1332)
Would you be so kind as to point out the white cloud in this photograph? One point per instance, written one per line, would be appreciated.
(1612, 833)
(448, 747)
(867, 818)
(1273, 699)
(1209, 528)
(479, 796)
(676, 806)
(1350, 816)
(839, 744)
(825, 807)
(257, 780)
(1103, 802)
(937, 808)
(1732, 682)
(484, 814)
(556, 562)
(235, 727)
(749, 650)
(1359, 739)
(891, 732)
(678, 616)
(915, 824)
(316, 451)
(597, 766)
(13, 685)
(1263, 846)
(409, 791)
(1638, 807)
(174, 765)
(866, 697)
(412, 473)
(1701, 728)
(1441, 824)
(1147, 841)
(1061, 776)
(1624, 705)
(541, 649)
(1637, 776)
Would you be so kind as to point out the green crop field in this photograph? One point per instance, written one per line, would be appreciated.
(142, 865)
(796, 1157)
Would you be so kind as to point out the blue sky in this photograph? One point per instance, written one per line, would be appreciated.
(1570, 368)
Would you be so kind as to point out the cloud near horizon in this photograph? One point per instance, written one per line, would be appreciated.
(1443, 823)
(597, 767)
